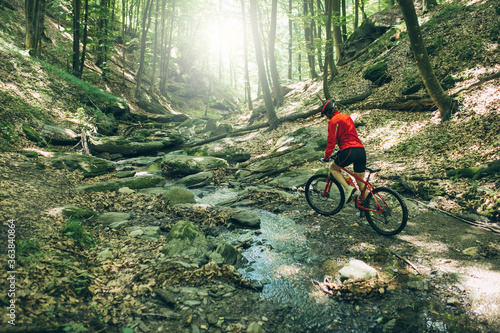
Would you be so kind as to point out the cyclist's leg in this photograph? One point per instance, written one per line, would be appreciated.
(337, 174)
(359, 165)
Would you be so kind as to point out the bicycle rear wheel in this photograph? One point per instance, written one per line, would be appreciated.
(394, 215)
(324, 202)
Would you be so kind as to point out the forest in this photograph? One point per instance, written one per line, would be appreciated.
(159, 165)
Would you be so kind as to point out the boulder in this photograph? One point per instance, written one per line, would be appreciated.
(187, 240)
(357, 269)
(246, 219)
(33, 135)
(377, 74)
(197, 180)
(132, 183)
(176, 196)
(71, 210)
(230, 254)
(90, 166)
(291, 179)
(178, 165)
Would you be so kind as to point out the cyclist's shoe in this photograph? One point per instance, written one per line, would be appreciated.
(349, 192)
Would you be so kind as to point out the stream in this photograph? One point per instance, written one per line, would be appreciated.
(285, 262)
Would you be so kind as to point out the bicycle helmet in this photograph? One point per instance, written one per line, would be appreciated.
(328, 107)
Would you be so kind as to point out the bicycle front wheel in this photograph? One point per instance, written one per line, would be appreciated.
(392, 215)
(323, 200)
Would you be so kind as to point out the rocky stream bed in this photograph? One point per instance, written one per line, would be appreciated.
(208, 240)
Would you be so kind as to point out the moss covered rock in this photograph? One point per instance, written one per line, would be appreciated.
(176, 196)
(186, 239)
(90, 166)
(132, 183)
(189, 165)
(33, 135)
(377, 74)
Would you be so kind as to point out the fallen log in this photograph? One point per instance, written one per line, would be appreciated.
(403, 104)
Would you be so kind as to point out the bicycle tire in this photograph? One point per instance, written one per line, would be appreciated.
(324, 205)
(392, 220)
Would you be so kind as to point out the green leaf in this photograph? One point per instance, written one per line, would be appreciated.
(128, 330)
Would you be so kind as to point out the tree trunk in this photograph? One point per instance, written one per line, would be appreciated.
(278, 95)
(356, 14)
(344, 20)
(309, 41)
(337, 34)
(146, 20)
(76, 36)
(273, 120)
(442, 100)
(329, 42)
(248, 91)
(85, 33)
(155, 47)
(290, 40)
(34, 12)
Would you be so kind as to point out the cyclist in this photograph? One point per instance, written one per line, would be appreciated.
(342, 132)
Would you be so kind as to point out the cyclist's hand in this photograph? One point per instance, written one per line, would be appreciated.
(324, 160)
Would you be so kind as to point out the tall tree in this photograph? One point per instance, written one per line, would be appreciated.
(290, 39)
(442, 100)
(85, 39)
(146, 21)
(77, 4)
(34, 12)
(337, 34)
(329, 62)
(309, 40)
(278, 95)
(271, 114)
(248, 92)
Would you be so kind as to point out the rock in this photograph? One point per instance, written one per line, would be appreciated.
(357, 269)
(176, 196)
(136, 233)
(115, 185)
(291, 179)
(377, 73)
(119, 224)
(418, 285)
(126, 190)
(230, 254)
(188, 165)
(246, 219)
(167, 297)
(105, 255)
(254, 327)
(71, 210)
(112, 217)
(185, 239)
(471, 251)
(125, 174)
(199, 179)
(57, 135)
(90, 166)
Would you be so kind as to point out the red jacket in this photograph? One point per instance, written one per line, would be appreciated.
(341, 131)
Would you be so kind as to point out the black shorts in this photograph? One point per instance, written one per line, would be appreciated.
(352, 155)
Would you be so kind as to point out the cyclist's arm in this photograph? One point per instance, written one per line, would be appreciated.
(332, 138)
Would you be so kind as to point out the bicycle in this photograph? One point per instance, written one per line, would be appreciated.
(384, 208)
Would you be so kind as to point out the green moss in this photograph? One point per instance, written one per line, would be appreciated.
(33, 135)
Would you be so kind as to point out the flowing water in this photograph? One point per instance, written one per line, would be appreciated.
(285, 262)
